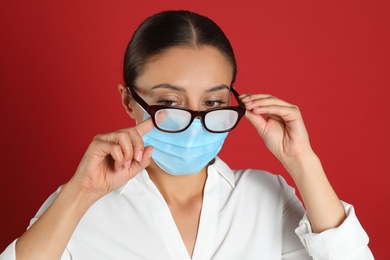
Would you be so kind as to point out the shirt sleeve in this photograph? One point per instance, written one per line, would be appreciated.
(348, 241)
(10, 252)
(292, 213)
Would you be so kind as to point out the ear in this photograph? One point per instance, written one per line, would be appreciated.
(126, 100)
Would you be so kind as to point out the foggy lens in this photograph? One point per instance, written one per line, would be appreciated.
(171, 119)
(221, 120)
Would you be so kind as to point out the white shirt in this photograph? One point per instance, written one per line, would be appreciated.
(246, 214)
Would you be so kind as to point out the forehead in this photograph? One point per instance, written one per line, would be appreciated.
(187, 67)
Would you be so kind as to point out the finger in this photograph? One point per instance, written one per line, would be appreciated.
(117, 155)
(137, 166)
(147, 157)
(249, 96)
(261, 101)
(257, 121)
(137, 145)
(136, 134)
(123, 139)
(130, 140)
(144, 127)
(103, 149)
(127, 173)
(274, 111)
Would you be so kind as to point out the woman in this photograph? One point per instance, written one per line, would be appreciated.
(159, 191)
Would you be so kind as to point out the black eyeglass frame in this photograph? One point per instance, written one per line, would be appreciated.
(152, 110)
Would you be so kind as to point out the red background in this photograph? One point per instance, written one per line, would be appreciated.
(61, 62)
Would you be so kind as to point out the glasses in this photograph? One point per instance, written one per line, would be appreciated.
(177, 119)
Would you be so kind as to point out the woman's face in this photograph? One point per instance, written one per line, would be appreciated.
(195, 78)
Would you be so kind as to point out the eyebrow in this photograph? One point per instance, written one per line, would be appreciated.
(168, 86)
(177, 88)
(218, 88)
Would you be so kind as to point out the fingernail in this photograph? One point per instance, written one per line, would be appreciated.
(127, 164)
(139, 156)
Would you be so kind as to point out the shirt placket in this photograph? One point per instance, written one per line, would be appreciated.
(165, 222)
(208, 223)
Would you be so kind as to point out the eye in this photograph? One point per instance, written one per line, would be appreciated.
(167, 103)
(214, 103)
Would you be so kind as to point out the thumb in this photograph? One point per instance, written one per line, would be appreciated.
(257, 120)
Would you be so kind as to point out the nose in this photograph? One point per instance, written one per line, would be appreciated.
(194, 105)
(196, 108)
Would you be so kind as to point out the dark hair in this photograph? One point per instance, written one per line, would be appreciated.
(168, 29)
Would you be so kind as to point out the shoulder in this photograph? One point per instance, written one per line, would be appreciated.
(264, 186)
(256, 181)
(259, 178)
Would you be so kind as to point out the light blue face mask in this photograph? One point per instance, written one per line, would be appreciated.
(185, 152)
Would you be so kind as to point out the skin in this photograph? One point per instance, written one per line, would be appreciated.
(113, 158)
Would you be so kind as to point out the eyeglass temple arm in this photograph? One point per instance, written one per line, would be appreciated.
(235, 93)
(138, 99)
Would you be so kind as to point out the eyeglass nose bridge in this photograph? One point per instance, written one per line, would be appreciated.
(197, 114)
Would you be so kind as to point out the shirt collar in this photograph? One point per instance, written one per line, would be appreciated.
(223, 169)
(220, 166)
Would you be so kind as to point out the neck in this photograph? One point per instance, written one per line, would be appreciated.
(178, 189)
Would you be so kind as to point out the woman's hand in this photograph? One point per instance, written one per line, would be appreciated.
(280, 124)
(112, 159)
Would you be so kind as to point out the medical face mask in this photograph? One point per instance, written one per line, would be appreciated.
(185, 152)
